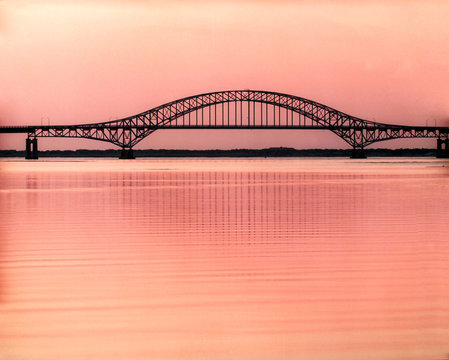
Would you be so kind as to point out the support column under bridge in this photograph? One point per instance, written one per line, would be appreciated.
(443, 148)
(358, 153)
(31, 149)
(127, 153)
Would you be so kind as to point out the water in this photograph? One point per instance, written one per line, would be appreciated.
(224, 259)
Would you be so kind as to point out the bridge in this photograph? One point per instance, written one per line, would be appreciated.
(236, 109)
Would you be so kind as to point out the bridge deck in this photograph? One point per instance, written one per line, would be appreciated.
(31, 128)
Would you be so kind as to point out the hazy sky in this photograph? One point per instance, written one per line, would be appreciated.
(69, 62)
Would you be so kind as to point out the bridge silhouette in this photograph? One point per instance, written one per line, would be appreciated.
(236, 109)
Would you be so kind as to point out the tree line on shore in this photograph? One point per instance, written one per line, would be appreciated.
(268, 152)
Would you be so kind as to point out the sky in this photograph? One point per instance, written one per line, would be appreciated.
(69, 62)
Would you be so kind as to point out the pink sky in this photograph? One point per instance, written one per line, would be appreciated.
(68, 62)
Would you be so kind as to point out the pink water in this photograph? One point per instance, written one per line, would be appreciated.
(224, 259)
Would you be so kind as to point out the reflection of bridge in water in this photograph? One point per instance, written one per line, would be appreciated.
(239, 109)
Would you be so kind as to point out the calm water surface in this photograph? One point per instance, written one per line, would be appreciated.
(224, 259)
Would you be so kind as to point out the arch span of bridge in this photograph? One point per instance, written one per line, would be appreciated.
(236, 109)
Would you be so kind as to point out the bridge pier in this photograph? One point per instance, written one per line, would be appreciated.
(358, 153)
(443, 148)
(127, 154)
(31, 149)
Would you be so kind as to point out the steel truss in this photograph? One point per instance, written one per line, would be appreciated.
(238, 109)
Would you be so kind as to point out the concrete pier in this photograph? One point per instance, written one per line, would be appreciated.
(127, 154)
(358, 153)
(31, 149)
(443, 148)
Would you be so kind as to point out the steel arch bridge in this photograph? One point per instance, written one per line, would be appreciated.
(236, 109)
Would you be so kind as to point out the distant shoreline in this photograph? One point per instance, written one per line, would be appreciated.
(268, 152)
